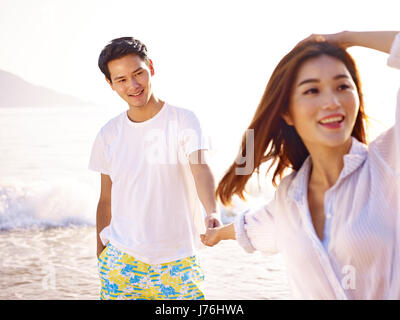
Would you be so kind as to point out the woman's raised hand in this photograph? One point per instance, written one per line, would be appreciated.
(377, 40)
(339, 39)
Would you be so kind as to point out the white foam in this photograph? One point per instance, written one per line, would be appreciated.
(57, 202)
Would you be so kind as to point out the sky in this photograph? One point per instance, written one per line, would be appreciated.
(213, 57)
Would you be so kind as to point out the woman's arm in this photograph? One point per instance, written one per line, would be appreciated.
(253, 229)
(215, 235)
(377, 40)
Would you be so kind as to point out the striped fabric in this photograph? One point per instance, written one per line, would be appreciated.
(359, 257)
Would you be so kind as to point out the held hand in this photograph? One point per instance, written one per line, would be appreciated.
(213, 220)
(211, 237)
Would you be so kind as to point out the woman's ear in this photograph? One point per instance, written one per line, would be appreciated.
(287, 118)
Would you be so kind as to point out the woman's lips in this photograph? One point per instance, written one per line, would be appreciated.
(332, 122)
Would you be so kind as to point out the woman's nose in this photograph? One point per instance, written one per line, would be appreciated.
(331, 101)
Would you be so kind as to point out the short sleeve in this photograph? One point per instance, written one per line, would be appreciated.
(387, 144)
(192, 135)
(98, 161)
(255, 230)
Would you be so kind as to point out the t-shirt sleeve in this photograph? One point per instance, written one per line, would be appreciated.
(192, 134)
(98, 160)
(387, 144)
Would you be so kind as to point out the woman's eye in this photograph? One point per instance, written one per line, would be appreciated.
(311, 91)
(344, 87)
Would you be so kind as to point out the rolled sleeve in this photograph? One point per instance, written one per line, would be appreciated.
(387, 145)
(255, 230)
(241, 234)
(394, 57)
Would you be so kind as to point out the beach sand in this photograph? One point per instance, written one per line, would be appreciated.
(60, 264)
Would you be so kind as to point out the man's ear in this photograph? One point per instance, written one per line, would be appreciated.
(151, 67)
(288, 119)
(110, 83)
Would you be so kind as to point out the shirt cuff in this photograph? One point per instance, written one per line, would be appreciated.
(394, 57)
(241, 235)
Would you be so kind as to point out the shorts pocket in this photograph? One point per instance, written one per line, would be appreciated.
(102, 254)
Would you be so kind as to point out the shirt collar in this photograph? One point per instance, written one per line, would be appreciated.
(352, 161)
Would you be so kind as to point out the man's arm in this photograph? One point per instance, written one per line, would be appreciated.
(103, 215)
(205, 186)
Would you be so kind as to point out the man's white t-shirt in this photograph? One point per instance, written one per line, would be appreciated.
(155, 209)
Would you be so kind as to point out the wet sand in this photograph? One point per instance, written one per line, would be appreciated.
(60, 264)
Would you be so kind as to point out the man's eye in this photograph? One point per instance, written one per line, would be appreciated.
(122, 80)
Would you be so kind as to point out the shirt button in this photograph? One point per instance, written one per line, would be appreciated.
(329, 215)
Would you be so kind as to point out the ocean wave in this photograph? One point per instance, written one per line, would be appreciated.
(46, 204)
(65, 202)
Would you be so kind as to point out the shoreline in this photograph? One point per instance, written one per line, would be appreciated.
(61, 264)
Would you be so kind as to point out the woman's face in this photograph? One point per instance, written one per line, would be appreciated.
(324, 103)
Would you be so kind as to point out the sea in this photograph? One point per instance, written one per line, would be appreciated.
(48, 201)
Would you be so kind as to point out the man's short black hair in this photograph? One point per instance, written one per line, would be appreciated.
(119, 48)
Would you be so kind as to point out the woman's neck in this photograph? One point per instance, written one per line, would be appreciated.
(327, 164)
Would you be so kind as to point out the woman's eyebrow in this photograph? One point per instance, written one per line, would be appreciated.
(339, 76)
(307, 81)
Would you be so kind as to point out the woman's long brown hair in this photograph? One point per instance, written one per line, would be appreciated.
(275, 140)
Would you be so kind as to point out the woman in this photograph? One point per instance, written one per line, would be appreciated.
(335, 217)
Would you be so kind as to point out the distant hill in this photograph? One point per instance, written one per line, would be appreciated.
(16, 92)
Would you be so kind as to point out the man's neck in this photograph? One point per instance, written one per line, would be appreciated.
(146, 112)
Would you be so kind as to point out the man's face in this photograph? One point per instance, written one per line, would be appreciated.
(131, 79)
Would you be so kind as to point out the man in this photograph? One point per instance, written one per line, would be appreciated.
(153, 174)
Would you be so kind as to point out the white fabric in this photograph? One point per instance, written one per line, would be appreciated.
(360, 255)
(156, 214)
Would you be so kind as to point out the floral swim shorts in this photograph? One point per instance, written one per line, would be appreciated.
(124, 277)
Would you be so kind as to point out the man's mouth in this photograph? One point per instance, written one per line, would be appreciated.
(136, 94)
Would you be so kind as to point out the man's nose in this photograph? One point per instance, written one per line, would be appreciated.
(133, 83)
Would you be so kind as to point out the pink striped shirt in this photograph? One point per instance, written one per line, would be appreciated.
(359, 257)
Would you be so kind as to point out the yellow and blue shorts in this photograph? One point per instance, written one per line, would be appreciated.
(124, 277)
